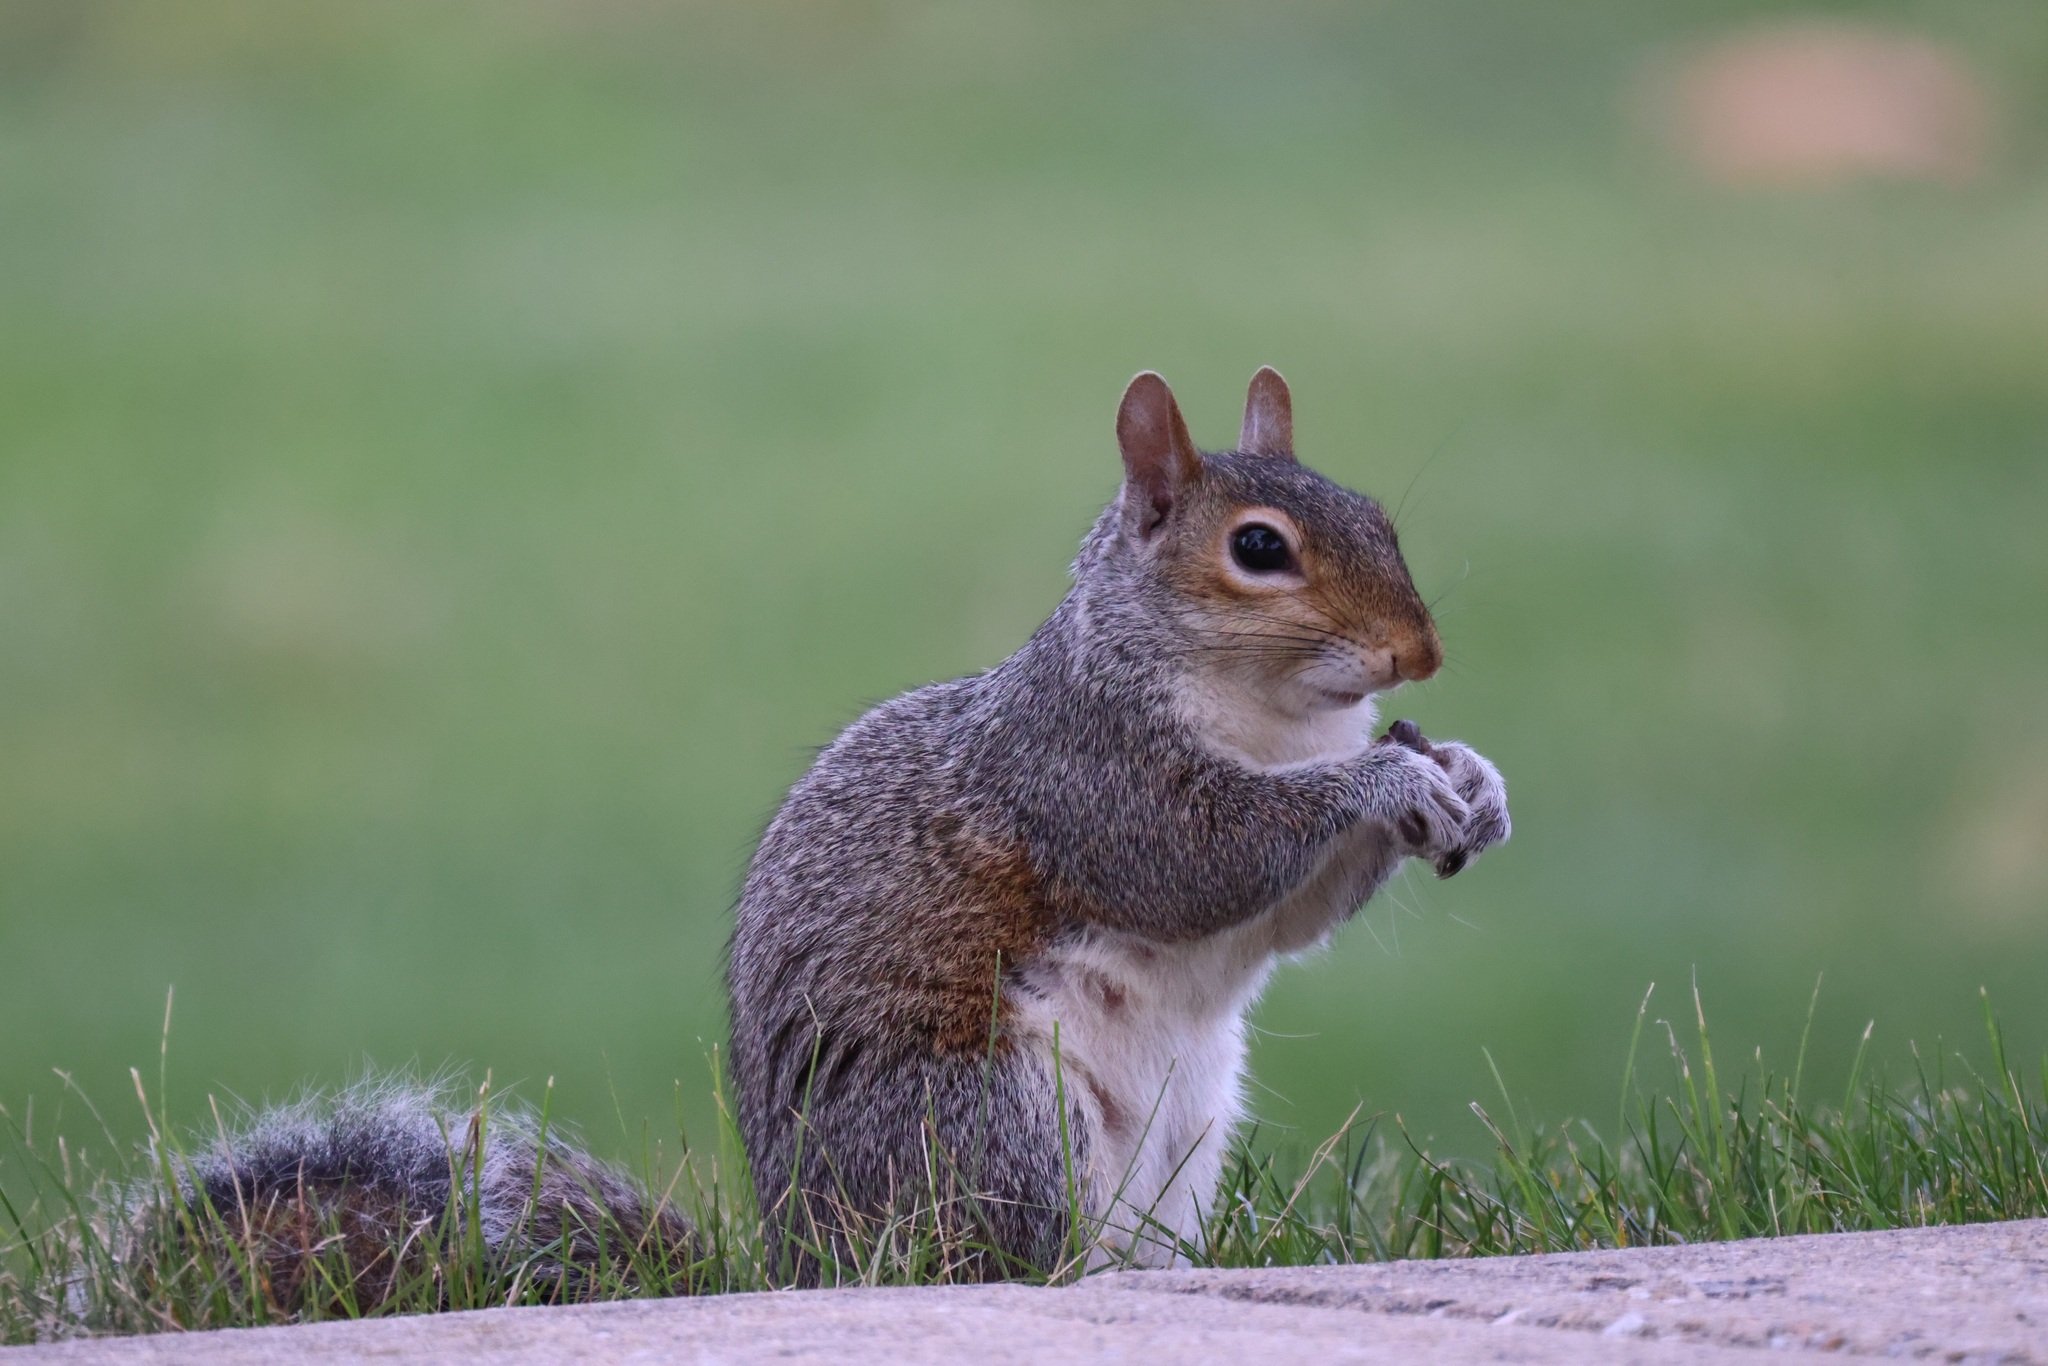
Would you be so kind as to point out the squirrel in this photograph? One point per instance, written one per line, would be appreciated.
(993, 957)
(1009, 927)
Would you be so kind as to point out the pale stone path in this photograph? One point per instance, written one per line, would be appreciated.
(1974, 1294)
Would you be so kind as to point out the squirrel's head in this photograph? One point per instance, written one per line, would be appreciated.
(1270, 574)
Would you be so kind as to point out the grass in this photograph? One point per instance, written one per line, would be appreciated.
(1700, 1153)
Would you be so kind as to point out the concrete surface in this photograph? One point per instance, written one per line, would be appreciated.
(1973, 1294)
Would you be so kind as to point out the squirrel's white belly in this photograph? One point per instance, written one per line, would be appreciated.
(1151, 1048)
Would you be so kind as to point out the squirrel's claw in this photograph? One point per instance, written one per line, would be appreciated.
(1407, 735)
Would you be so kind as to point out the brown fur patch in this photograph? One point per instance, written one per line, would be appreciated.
(348, 1247)
(1111, 994)
(1116, 1120)
(1003, 917)
(345, 1248)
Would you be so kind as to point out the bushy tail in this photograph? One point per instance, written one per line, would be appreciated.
(390, 1192)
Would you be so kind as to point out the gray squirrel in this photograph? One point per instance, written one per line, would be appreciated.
(993, 957)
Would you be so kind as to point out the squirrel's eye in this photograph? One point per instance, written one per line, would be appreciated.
(1259, 548)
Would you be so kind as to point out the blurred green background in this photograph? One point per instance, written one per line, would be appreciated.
(457, 462)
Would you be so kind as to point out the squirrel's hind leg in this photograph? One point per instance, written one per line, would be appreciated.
(958, 1160)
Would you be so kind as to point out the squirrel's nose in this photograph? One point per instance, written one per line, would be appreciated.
(1418, 657)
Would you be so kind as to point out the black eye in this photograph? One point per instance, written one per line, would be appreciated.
(1259, 548)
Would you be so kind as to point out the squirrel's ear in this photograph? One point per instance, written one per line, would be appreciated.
(1268, 416)
(1160, 458)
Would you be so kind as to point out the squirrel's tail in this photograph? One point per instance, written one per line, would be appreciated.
(379, 1190)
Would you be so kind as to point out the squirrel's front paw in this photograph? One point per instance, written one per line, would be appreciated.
(1417, 800)
(1483, 789)
(1476, 780)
